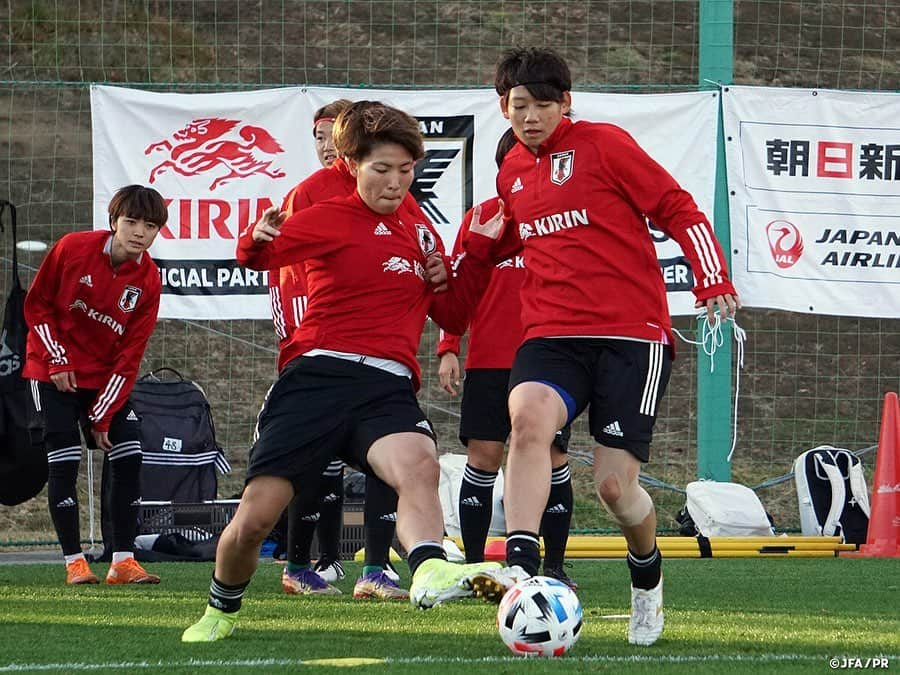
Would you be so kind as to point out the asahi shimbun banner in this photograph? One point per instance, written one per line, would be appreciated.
(815, 207)
(221, 159)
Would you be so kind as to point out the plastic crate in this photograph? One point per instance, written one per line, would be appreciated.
(196, 521)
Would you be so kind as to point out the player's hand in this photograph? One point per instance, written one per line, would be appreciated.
(64, 381)
(490, 228)
(436, 272)
(448, 372)
(727, 305)
(102, 439)
(269, 225)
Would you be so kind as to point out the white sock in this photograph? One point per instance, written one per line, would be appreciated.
(72, 558)
(119, 556)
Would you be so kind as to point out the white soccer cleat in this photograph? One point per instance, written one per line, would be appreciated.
(492, 584)
(330, 570)
(646, 622)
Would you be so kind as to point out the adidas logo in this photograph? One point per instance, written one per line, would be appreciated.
(132, 417)
(389, 517)
(329, 498)
(68, 501)
(471, 501)
(517, 185)
(136, 502)
(313, 518)
(613, 429)
(425, 424)
(382, 230)
(559, 508)
(86, 280)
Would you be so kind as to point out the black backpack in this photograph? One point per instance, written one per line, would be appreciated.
(23, 460)
(832, 494)
(181, 454)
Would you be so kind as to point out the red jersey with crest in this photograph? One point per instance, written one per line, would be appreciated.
(84, 316)
(496, 328)
(578, 207)
(367, 291)
(287, 285)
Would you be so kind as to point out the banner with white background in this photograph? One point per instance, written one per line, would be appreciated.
(814, 179)
(221, 159)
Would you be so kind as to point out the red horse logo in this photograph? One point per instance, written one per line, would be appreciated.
(785, 243)
(199, 148)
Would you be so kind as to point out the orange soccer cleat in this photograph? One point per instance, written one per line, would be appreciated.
(129, 571)
(78, 572)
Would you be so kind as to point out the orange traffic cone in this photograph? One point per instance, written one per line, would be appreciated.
(883, 539)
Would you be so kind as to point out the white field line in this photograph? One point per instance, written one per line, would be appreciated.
(267, 663)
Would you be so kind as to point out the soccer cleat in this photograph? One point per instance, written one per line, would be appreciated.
(129, 571)
(559, 574)
(378, 585)
(330, 570)
(392, 572)
(646, 622)
(78, 572)
(492, 584)
(437, 581)
(213, 625)
(306, 582)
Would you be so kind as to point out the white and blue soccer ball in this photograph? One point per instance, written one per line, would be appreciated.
(539, 616)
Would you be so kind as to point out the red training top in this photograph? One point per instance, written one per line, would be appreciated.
(86, 317)
(578, 207)
(366, 275)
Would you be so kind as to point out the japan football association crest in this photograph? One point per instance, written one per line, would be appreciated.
(561, 166)
(129, 298)
(426, 239)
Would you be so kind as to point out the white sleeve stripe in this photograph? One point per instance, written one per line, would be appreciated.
(113, 387)
(52, 346)
(706, 251)
(299, 306)
(277, 312)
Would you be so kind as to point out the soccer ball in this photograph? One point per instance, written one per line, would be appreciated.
(539, 616)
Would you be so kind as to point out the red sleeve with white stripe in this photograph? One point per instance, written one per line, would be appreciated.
(449, 342)
(39, 303)
(113, 395)
(658, 196)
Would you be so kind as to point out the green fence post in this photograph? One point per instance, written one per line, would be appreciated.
(714, 389)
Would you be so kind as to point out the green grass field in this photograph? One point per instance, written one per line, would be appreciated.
(722, 616)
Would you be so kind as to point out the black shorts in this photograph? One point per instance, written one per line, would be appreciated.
(321, 408)
(621, 380)
(59, 416)
(484, 413)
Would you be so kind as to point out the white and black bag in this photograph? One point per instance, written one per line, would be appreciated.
(832, 494)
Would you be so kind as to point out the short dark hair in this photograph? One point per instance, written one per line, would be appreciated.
(137, 201)
(330, 111)
(365, 124)
(506, 143)
(542, 71)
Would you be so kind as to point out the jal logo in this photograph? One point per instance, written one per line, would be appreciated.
(212, 146)
(785, 243)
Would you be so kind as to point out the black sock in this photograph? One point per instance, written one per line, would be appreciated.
(523, 549)
(646, 571)
(422, 551)
(62, 499)
(301, 526)
(476, 507)
(380, 521)
(557, 517)
(125, 493)
(225, 597)
(331, 514)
